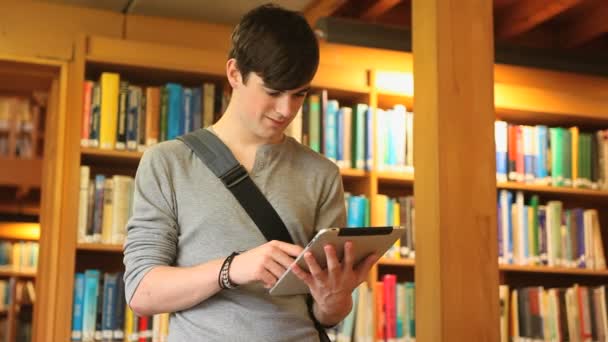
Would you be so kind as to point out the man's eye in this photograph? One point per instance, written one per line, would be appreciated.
(274, 93)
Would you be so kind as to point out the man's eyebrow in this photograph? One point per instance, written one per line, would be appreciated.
(303, 90)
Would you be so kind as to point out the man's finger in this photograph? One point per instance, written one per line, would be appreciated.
(349, 255)
(333, 264)
(303, 275)
(290, 249)
(313, 266)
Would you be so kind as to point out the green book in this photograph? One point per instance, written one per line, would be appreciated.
(314, 122)
(557, 153)
(535, 231)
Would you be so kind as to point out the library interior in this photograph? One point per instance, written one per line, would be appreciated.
(496, 170)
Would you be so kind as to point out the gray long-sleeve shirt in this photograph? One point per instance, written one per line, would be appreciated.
(183, 216)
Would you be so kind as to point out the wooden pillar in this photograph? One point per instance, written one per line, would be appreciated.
(455, 187)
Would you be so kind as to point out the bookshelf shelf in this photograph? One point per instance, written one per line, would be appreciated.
(554, 270)
(397, 262)
(395, 177)
(22, 172)
(553, 190)
(99, 247)
(353, 173)
(10, 271)
(98, 153)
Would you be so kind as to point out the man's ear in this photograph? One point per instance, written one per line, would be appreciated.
(233, 73)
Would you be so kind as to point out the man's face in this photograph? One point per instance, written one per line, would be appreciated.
(266, 111)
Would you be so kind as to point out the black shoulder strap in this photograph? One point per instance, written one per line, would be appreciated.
(219, 159)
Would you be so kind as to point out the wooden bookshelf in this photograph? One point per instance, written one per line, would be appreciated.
(569, 191)
(511, 268)
(99, 247)
(354, 173)
(394, 177)
(101, 155)
(10, 271)
(20, 172)
(554, 270)
(397, 262)
(150, 61)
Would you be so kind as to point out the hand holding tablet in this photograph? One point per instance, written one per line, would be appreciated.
(327, 251)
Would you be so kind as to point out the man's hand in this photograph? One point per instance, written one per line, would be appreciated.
(265, 263)
(332, 288)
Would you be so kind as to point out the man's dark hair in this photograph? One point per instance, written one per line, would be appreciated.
(278, 45)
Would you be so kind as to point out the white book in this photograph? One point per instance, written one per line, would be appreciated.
(83, 205)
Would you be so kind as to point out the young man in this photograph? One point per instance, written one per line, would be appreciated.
(185, 222)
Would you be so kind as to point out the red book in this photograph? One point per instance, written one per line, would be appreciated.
(390, 309)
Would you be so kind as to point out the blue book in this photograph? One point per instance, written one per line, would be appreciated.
(77, 307)
(506, 199)
(369, 135)
(542, 235)
(134, 106)
(175, 116)
(91, 292)
(340, 136)
(121, 304)
(95, 116)
(393, 131)
(501, 142)
(108, 315)
(500, 232)
(359, 136)
(331, 130)
(541, 159)
(390, 206)
(580, 231)
(356, 211)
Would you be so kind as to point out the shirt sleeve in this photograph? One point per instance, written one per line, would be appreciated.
(152, 230)
(332, 209)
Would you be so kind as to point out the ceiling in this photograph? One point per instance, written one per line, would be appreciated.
(561, 24)
(222, 12)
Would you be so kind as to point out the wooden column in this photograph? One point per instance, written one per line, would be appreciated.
(455, 188)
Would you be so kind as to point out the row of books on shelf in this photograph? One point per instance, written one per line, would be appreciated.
(24, 293)
(393, 306)
(19, 255)
(119, 115)
(390, 212)
(344, 134)
(100, 312)
(19, 124)
(23, 297)
(104, 207)
(551, 155)
(577, 313)
(530, 233)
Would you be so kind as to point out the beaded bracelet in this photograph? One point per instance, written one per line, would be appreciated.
(224, 278)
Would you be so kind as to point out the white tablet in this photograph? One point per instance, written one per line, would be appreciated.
(366, 241)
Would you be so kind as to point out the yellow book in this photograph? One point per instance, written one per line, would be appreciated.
(164, 327)
(128, 323)
(574, 143)
(109, 109)
(379, 209)
(396, 222)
